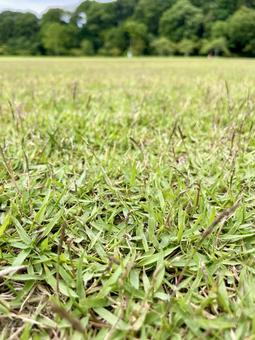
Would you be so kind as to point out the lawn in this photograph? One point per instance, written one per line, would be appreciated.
(127, 199)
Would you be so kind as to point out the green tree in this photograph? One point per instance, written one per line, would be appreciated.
(219, 29)
(59, 35)
(215, 47)
(98, 18)
(182, 21)
(222, 9)
(115, 41)
(149, 12)
(142, 26)
(137, 36)
(241, 30)
(15, 24)
(250, 48)
(217, 9)
(57, 38)
(7, 26)
(163, 47)
(187, 47)
(87, 48)
(246, 3)
(19, 33)
(123, 9)
(53, 15)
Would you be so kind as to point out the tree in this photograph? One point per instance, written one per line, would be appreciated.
(115, 41)
(15, 24)
(217, 9)
(246, 3)
(187, 47)
(137, 36)
(241, 29)
(219, 29)
(57, 38)
(53, 15)
(216, 47)
(149, 12)
(87, 48)
(161, 27)
(7, 26)
(162, 46)
(58, 34)
(123, 9)
(222, 9)
(98, 18)
(182, 21)
(19, 33)
(250, 48)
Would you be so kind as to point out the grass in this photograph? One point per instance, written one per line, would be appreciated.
(127, 199)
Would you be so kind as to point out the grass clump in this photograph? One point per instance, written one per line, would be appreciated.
(127, 199)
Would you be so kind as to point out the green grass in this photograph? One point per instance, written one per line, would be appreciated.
(127, 199)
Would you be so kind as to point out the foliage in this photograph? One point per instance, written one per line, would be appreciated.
(57, 39)
(141, 26)
(53, 15)
(163, 46)
(149, 12)
(87, 48)
(219, 29)
(19, 33)
(215, 47)
(241, 29)
(182, 21)
(137, 36)
(115, 41)
(187, 47)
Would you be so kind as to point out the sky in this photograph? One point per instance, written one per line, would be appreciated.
(37, 6)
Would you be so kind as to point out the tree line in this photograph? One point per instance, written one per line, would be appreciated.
(138, 27)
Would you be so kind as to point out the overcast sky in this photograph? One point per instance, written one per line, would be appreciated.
(37, 6)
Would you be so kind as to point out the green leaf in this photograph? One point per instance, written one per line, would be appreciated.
(146, 282)
(40, 214)
(5, 225)
(152, 228)
(112, 319)
(223, 296)
(134, 278)
(21, 231)
(158, 275)
(19, 260)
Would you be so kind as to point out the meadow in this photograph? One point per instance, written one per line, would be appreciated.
(127, 198)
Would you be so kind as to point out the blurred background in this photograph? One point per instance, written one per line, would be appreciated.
(128, 27)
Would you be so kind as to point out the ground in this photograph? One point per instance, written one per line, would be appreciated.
(127, 198)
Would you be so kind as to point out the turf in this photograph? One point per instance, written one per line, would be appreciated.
(127, 199)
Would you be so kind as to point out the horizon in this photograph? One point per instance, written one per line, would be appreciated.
(39, 6)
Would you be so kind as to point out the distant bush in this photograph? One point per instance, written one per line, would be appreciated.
(163, 46)
(87, 48)
(215, 47)
(187, 47)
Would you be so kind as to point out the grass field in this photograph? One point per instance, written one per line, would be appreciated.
(127, 199)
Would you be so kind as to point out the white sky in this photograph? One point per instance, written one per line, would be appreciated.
(38, 6)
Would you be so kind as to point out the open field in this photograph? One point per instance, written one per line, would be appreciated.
(127, 199)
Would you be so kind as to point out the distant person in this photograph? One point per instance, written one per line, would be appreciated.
(130, 54)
